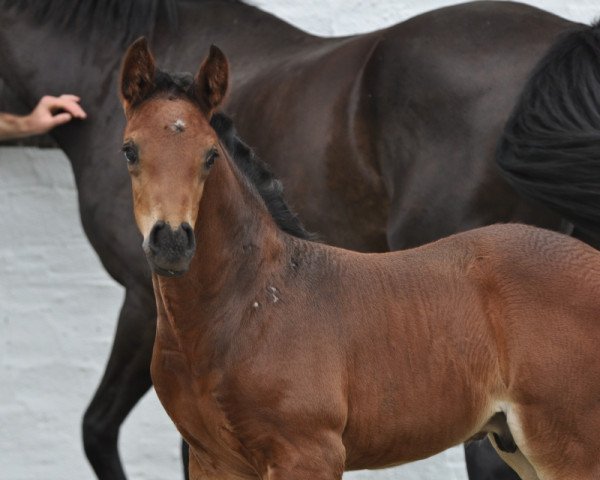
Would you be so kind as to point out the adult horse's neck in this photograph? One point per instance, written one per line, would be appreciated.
(239, 248)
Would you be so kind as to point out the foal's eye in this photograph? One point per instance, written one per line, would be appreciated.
(212, 155)
(130, 153)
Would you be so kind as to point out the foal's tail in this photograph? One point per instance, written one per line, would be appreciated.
(550, 148)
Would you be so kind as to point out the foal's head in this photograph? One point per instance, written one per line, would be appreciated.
(170, 148)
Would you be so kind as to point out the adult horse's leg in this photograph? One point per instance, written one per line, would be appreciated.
(483, 462)
(125, 380)
(185, 457)
(517, 461)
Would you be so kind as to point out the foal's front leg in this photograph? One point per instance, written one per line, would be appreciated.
(301, 472)
(323, 460)
(197, 472)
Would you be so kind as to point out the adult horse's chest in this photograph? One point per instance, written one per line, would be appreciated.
(189, 395)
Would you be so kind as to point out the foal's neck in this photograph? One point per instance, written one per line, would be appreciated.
(238, 244)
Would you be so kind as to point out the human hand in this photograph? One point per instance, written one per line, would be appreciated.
(43, 117)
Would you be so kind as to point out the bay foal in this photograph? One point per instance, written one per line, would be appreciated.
(281, 358)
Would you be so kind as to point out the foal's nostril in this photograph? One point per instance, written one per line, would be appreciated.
(189, 233)
(155, 234)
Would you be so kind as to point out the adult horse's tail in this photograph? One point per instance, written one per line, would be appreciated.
(550, 149)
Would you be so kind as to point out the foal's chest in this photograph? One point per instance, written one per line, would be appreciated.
(190, 400)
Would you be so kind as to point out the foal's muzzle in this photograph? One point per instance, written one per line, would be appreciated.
(169, 251)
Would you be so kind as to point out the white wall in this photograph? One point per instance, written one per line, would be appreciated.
(58, 308)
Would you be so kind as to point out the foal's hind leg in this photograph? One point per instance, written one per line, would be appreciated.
(126, 379)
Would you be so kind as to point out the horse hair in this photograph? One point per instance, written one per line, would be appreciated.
(132, 18)
(550, 147)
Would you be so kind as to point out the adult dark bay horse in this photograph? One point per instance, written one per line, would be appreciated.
(283, 359)
(384, 140)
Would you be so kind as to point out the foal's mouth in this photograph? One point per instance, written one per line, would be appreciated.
(165, 272)
(168, 267)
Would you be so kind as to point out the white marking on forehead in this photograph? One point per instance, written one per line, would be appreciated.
(178, 126)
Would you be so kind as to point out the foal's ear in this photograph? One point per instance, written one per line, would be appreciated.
(137, 74)
(211, 80)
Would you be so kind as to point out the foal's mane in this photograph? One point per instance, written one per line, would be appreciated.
(255, 170)
(127, 19)
(260, 176)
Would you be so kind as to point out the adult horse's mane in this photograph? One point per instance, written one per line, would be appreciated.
(255, 170)
(131, 18)
(550, 149)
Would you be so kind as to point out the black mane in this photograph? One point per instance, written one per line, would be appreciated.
(550, 148)
(259, 174)
(124, 19)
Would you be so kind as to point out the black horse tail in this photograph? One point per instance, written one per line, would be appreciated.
(550, 148)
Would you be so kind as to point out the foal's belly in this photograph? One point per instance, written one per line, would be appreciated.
(412, 431)
(416, 406)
